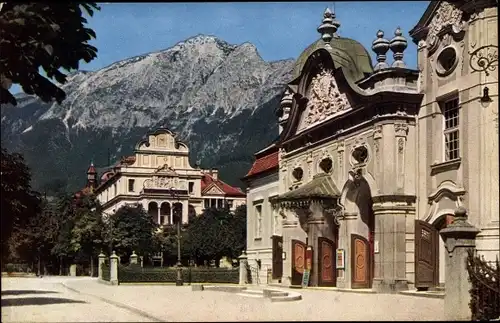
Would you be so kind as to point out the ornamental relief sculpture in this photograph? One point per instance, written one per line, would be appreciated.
(325, 99)
(165, 182)
(446, 14)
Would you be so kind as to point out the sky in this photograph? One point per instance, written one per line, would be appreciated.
(279, 30)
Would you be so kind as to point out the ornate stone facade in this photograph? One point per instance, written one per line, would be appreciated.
(401, 163)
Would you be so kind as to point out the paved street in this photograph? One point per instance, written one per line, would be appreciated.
(171, 303)
(46, 300)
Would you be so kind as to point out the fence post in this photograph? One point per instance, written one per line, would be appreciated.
(113, 264)
(243, 268)
(458, 236)
(102, 259)
(133, 258)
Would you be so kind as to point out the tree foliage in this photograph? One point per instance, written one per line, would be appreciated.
(217, 233)
(130, 229)
(19, 203)
(87, 231)
(37, 35)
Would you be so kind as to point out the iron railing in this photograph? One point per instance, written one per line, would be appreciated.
(485, 290)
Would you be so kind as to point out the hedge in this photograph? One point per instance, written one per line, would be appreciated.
(136, 274)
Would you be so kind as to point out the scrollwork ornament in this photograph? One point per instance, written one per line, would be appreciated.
(401, 145)
(484, 59)
(447, 14)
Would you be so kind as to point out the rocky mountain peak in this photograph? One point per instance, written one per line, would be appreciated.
(206, 90)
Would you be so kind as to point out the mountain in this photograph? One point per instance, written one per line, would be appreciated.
(218, 97)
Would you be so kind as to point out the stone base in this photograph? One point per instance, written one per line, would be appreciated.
(389, 286)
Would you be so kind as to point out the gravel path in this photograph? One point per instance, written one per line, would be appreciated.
(47, 300)
(172, 303)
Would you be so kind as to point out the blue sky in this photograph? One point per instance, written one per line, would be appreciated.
(280, 30)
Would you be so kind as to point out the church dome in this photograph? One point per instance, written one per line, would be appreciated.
(345, 52)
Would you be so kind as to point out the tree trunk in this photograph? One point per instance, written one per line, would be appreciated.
(91, 266)
(60, 266)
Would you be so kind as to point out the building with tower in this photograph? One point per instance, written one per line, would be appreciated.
(159, 177)
(373, 160)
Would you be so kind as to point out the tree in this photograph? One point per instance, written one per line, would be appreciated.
(217, 233)
(35, 240)
(131, 229)
(87, 232)
(18, 202)
(50, 36)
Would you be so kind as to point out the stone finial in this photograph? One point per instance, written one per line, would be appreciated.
(461, 212)
(380, 46)
(328, 28)
(398, 45)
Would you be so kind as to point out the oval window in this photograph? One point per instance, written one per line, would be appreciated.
(446, 61)
(298, 173)
(326, 165)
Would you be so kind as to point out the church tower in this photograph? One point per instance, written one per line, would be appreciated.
(91, 177)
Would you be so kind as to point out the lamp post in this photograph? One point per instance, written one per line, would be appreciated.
(178, 281)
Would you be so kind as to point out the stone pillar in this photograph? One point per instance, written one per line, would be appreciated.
(113, 264)
(390, 233)
(102, 259)
(72, 270)
(133, 258)
(243, 268)
(458, 237)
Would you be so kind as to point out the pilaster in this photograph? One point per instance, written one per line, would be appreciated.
(390, 214)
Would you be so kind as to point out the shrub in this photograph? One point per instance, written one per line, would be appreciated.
(10, 268)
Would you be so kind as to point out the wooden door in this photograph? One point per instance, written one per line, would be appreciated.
(360, 262)
(277, 257)
(426, 255)
(298, 261)
(327, 268)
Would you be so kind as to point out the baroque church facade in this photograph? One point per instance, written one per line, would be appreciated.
(373, 160)
(160, 178)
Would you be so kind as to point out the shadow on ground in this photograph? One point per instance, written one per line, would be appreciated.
(24, 292)
(37, 301)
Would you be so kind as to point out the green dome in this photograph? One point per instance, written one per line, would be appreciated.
(346, 53)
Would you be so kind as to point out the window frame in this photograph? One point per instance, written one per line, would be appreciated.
(131, 184)
(448, 108)
(258, 221)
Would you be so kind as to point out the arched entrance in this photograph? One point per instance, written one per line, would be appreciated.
(430, 252)
(153, 211)
(191, 212)
(177, 212)
(357, 199)
(165, 213)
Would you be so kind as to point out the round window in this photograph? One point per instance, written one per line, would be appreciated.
(298, 173)
(447, 61)
(326, 165)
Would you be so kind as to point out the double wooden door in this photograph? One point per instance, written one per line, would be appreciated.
(360, 262)
(298, 261)
(426, 255)
(326, 262)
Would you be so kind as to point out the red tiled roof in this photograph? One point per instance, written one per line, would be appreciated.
(264, 163)
(207, 180)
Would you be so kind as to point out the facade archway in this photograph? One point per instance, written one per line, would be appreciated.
(191, 212)
(165, 213)
(440, 223)
(153, 211)
(176, 212)
(358, 238)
